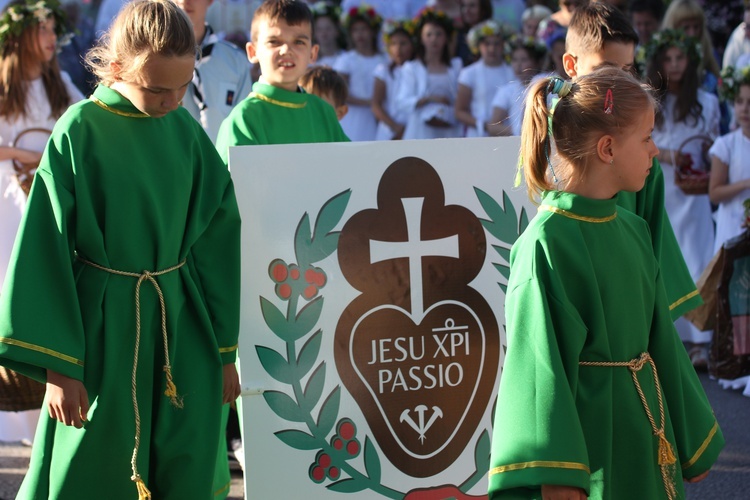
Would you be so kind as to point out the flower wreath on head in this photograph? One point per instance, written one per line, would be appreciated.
(325, 9)
(364, 13)
(391, 26)
(730, 81)
(484, 29)
(537, 47)
(18, 17)
(665, 39)
(431, 15)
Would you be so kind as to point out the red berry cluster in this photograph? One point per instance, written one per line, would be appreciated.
(291, 280)
(345, 438)
(323, 467)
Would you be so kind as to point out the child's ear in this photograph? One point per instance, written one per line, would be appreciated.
(605, 148)
(251, 54)
(569, 63)
(341, 111)
(116, 69)
(314, 53)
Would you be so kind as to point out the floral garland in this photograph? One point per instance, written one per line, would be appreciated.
(17, 18)
(670, 38)
(325, 9)
(483, 30)
(363, 12)
(537, 47)
(431, 15)
(391, 26)
(730, 81)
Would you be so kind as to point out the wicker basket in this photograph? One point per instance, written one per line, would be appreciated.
(31, 139)
(694, 181)
(19, 393)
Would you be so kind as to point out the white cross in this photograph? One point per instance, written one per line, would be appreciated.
(414, 248)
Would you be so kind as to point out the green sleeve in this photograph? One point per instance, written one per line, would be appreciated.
(537, 435)
(697, 434)
(235, 131)
(40, 320)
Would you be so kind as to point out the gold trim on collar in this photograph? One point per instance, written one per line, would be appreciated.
(571, 215)
(109, 108)
(223, 350)
(703, 447)
(683, 299)
(540, 463)
(43, 350)
(293, 105)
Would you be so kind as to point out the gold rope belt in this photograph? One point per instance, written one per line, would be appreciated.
(171, 390)
(666, 457)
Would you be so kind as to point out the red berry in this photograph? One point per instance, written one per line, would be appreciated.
(338, 444)
(285, 291)
(310, 276)
(333, 472)
(280, 273)
(310, 292)
(294, 273)
(347, 430)
(320, 279)
(352, 448)
(324, 460)
(318, 474)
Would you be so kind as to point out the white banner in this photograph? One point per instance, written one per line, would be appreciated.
(373, 280)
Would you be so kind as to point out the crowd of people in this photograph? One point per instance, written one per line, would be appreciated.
(387, 70)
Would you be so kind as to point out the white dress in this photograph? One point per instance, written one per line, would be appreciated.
(417, 83)
(484, 82)
(690, 215)
(391, 80)
(359, 124)
(732, 149)
(21, 426)
(510, 97)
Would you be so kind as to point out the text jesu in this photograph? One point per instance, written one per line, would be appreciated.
(444, 345)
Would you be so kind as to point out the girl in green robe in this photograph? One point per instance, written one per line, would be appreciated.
(123, 292)
(598, 399)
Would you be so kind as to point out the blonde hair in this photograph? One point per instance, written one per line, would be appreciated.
(142, 29)
(680, 11)
(578, 121)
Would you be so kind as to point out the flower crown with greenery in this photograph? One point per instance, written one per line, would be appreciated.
(537, 47)
(18, 17)
(484, 29)
(363, 12)
(730, 81)
(325, 9)
(431, 15)
(391, 26)
(667, 38)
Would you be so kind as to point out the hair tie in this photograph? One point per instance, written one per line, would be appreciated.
(559, 86)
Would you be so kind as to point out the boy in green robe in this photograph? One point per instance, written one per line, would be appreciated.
(277, 111)
(600, 35)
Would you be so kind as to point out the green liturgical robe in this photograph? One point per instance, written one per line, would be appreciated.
(682, 294)
(585, 291)
(271, 115)
(118, 191)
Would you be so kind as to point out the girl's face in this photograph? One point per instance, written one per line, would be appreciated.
(674, 65)
(524, 66)
(470, 12)
(491, 50)
(325, 32)
(400, 48)
(742, 109)
(160, 85)
(691, 27)
(362, 36)
(47, 40)
(633, 154)
(530, 26)
(433, 38)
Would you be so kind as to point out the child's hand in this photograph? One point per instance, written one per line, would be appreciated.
(231, 383)
(697, 479)
(26, 156)
(67, 399)
(557, 492)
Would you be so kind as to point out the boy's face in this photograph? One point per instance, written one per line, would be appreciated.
(341, 111)
(618, 54)
(283, 52)
(195, 10)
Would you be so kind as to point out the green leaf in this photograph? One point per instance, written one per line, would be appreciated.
(324, 247)
(329, 412)
(314, 387)
(503, 223)
(274, 318)
(298, 440)
(303, 242)
(372, 461)
(482, 452)
(308, 317)
(331, 214)
(504, 252)
(524, 223)
(275, 364)
(503, 269)
(504, 288)
(349, 485)
(309, 353)
(284, 406)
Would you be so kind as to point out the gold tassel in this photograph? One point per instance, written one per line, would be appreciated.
(666, 455)
(143, 493)
(171, 391)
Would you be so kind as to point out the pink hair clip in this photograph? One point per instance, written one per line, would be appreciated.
(609, 102)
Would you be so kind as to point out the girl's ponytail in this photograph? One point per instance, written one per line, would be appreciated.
(535, 139)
